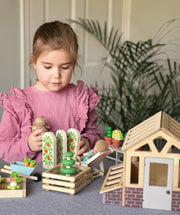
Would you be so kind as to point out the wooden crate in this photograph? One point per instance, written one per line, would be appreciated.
(7, 193)
(54, 180)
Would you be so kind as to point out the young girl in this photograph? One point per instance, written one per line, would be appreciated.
(64, 105)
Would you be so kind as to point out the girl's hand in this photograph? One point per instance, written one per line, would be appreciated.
(35, 140)
(83, 146)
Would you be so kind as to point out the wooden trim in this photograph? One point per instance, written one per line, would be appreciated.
(126, 19)
(113, 179)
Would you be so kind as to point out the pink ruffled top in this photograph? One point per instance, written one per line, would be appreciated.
(72, 107)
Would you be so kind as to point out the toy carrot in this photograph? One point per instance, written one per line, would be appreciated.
(32, 163)
(26, 161)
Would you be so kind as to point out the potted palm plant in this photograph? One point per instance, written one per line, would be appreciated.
(141, 86)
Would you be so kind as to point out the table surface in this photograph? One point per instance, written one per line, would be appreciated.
(87, 201)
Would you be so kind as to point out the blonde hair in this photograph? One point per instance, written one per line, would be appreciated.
(52, 36)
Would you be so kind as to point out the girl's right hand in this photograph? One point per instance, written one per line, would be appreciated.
(35, 140)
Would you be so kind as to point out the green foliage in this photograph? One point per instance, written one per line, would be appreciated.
(141, 86)
(27, 160)
(16, 177)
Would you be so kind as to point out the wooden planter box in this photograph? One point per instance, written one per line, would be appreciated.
(7, 193)
(54, 180)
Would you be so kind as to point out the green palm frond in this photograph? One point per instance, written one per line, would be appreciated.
(141, 84)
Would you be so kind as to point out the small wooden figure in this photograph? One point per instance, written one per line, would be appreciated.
(101, 146)
(40, 122)
(96, 156)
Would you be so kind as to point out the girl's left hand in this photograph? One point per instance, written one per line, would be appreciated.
(83, 146)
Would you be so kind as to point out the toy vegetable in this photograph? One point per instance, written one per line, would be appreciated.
(29, 162)
(14, 180)
(26, 161)
(117, 138)
(32, 163)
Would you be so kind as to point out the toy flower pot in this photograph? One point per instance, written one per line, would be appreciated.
(116, 143)
(108, 140)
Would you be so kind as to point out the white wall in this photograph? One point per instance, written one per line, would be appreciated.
(147, 16)
(137, 19)
(9, 45)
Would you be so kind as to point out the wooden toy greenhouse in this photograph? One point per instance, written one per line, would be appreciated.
(150, 175)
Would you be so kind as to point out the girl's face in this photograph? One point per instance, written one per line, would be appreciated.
(54, 70)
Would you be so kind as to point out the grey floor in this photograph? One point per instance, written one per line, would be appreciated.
(87, 201)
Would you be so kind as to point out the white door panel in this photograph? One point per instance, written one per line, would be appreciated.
(158, 179)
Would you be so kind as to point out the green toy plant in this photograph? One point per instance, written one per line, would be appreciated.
(117, 135)
(109, 134)
(14, 180)
(67, 169)
(117, 138)
(108, 138)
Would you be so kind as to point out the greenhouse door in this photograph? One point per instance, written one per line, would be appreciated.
(158, 179)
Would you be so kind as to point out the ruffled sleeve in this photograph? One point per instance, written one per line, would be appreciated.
(86, 101)
(82, 102)
(17, 105)
(86, 117)
(93, 98)
(15, 126)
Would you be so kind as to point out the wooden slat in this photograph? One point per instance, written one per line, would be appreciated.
(57, 182)
(60, 189)
(115, 176)
(142, 130)
(117, 167)
(115, 172)
(112, 182)
(53, 180)
(54, 174)
(98, 157)
(71, 190)
(82, 185)
(113, 179)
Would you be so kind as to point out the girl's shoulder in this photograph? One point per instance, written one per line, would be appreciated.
(16, 95)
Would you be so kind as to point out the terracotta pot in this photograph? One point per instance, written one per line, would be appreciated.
(108, 140)
(116, 143)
